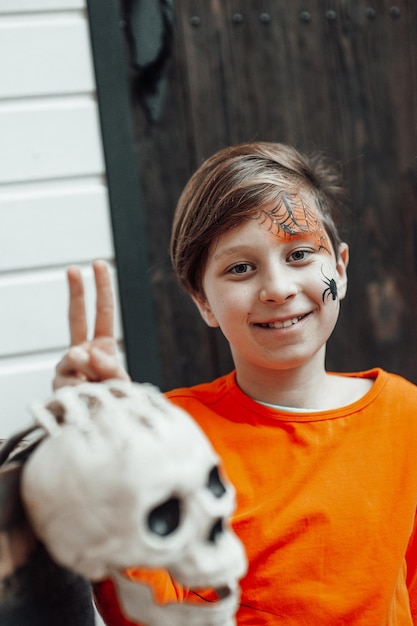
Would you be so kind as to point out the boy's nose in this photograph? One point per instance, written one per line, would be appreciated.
(278, 286)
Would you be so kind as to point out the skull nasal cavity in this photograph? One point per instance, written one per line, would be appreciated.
(165, 518)
(215, 484)
(216, 530)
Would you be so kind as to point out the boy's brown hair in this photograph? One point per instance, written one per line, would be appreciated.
(233, 186)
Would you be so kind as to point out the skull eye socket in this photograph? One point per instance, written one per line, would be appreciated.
(165, 518)
(215, 484)
(216, 530)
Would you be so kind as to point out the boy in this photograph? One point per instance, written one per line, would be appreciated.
(324, 464)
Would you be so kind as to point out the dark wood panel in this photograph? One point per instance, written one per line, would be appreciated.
(127, 205)
(335, 76)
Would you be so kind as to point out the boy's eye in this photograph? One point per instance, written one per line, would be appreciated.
(241, 268)
(299, 255)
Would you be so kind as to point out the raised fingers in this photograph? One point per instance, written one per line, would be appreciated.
(77, 312)
(95, 359)
(104, 325)
(73, 368)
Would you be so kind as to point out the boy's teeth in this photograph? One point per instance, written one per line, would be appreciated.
(294, 320)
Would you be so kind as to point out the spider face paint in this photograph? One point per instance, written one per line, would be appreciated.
(293, 217)
(331, 287)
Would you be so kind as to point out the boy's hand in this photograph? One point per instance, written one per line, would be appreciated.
(96, 359)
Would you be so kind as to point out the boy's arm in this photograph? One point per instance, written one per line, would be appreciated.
(96, 359)
(411, 558)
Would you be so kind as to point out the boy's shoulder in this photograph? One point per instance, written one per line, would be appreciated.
(402, 385)
(206, 393)
(396, 380)
(392, 389)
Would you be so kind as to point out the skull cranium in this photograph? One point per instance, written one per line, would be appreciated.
(124, 478)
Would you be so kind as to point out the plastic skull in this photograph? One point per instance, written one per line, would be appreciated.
(125, 478)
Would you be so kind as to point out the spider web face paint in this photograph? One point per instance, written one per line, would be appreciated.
(293, 217)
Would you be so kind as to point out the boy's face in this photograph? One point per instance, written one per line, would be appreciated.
(274, 293)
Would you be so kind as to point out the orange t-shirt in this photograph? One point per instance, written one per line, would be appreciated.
(326, 503)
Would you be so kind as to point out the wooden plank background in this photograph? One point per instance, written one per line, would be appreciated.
(334, 76)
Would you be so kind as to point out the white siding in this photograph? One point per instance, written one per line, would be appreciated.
(54, 211)
(32, 42)
(33, 6)
(49, 139)
(54, 207)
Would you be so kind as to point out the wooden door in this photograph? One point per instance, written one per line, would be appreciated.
(340, 77)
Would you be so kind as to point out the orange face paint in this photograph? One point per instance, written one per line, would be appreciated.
(293, 217)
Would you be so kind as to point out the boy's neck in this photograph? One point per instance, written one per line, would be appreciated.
(306, 387)
(292, 388)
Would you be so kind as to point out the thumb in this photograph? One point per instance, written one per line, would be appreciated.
(107, 365)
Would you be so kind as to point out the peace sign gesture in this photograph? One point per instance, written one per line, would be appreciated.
(95, 359)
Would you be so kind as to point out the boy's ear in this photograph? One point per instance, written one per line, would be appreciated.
(341, 269)
(206, 313)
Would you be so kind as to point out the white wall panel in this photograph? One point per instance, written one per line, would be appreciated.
(52, 138)
(21, 383)
(35, 318)
(18, 6)
(54, 208)
(50, 55)
(54, 224)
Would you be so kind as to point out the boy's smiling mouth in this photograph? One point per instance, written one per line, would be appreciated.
(282, 324)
